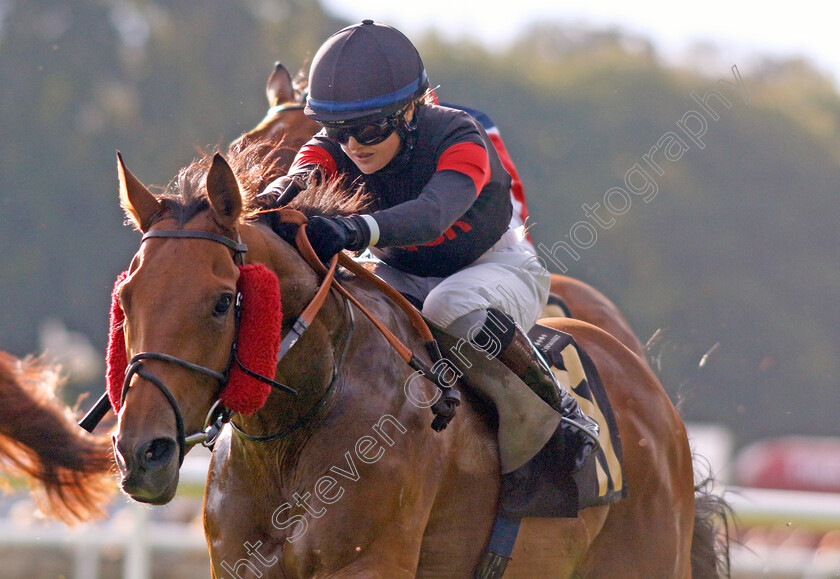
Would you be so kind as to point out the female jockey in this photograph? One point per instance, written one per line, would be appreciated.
(440, 228)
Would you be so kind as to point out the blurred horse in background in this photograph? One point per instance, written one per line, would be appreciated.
(284, 122)
(69, 470)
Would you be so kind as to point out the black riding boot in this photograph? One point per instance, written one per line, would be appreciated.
(517, 352)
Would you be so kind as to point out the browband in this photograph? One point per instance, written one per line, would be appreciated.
(188, 233)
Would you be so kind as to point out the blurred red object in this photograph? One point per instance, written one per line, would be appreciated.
(801, 463)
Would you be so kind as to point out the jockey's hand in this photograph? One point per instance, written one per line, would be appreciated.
(282, 190)
(287, 231)
(329, 235)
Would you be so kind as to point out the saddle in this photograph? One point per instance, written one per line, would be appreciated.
(534, 482)
(524, 445)
(526, 452)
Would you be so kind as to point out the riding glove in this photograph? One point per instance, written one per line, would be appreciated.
(329, 235)
(283, 189)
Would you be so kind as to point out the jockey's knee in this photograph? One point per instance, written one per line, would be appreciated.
(447, 303)
(467, 325)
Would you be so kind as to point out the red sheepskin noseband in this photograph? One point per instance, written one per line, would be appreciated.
(258, 342)
(116, 359)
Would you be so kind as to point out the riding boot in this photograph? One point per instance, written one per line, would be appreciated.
(518, 353)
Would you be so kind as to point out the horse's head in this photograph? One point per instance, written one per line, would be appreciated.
(196, 318)
(285, 118)
(179, 308)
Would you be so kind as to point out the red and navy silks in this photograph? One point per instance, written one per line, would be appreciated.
(258, 342)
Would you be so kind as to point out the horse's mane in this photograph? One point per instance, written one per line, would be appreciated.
(256, 165)
(39, 440)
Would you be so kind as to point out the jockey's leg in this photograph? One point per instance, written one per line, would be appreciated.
(500, 334)
(512, 285)
(488, 303)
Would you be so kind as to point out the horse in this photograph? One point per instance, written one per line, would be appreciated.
(285, 124)
(335, 471)
(69, 471)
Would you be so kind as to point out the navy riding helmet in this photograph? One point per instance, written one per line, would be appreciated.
(364, 72)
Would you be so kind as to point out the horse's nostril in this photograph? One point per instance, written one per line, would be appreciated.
(156, 452)
(119, 456)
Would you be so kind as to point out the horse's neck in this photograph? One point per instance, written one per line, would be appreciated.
(308, 367)
(298, 282)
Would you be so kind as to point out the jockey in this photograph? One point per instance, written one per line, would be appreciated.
(439, 228)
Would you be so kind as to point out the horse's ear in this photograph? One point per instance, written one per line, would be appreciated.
(223, 192)
(139, 204)
(279, 88)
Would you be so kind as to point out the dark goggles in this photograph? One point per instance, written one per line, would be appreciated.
(370, 133)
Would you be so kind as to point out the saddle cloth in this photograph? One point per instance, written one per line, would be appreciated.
(601, 480)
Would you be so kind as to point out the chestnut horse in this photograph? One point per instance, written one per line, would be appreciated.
(286, 124)
(346, 478)
(68, 469)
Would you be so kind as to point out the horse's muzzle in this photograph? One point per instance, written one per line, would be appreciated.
(148, 469)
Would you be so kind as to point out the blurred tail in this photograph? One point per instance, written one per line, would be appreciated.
(710, 542)
(68, 469)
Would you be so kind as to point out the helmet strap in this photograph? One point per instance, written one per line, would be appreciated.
(407, 129)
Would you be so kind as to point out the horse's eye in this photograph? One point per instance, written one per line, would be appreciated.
(223, 305)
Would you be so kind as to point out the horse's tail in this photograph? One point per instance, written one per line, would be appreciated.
(68, 469)
(710, 540)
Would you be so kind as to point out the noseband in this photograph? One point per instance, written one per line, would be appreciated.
(216, 414)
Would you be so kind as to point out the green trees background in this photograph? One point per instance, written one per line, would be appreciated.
(732, 266)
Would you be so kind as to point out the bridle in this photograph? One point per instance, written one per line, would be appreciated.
(266, 126)
(277, 109)
(218, 415)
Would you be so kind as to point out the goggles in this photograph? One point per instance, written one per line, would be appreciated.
(370, 133)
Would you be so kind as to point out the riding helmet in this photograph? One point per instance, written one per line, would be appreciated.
(365, 71)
